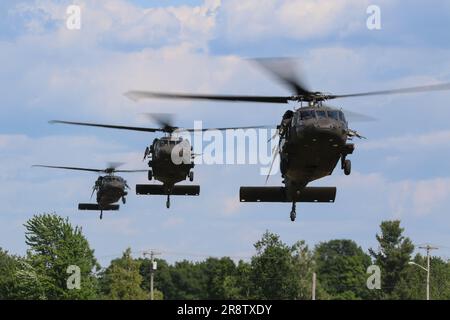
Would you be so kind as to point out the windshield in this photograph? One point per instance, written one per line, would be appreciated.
(341, 116)
(333, 115)
(321, 114)
(307, 114)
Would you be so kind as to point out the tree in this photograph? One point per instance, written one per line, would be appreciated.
(341, 269)
(413, 282)
(8, 267)
(122, 280)
(239, 285)
(54, 245)
(392, 257)
(216, 271)
(188, 280)
(280, 271)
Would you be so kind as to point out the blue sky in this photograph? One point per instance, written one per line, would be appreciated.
(49, 72)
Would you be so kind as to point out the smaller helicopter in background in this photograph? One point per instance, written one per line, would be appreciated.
(110, 188)
(161, 154)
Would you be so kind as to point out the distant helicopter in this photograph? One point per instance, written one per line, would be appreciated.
(110, 188)
(161, 155)
(313, 138)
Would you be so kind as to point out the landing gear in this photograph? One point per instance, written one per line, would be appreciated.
(293, 212)
(168, 202)
(101, 214)
(124, 200)
(150, 175)
(347, 167)
(191, 176)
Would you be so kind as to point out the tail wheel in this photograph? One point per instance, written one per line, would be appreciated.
(168, 202)
(293, 216)
(191, 176)
(124, 200)
(293, 212)
(347, 167)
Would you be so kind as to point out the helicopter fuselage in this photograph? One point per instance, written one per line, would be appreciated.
(163, 152)
(110, 189)
(312, 141)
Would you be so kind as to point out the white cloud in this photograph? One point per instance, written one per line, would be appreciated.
(437, 139)
(297, 19)
(121, 24)
(397, 198)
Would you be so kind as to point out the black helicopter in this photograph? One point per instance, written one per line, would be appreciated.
(313, 138)
(170, 157)
(110, 188)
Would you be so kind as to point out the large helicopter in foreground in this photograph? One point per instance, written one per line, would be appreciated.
(110, 188)
(312, 139)
(170, 157)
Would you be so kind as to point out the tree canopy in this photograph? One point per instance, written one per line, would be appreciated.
(276, 271)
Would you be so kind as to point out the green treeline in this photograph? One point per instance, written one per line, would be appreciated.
(276, 270)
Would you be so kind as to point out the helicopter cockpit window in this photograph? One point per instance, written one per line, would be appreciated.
(307, 114)
(333, 115)
(341, 116)
(321, 114)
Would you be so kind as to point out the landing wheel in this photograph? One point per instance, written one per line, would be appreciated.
(150, 175)
(101, 215)
(293, 212)
(347, 167)
(124, 200)
(191, 176)
(168, 202)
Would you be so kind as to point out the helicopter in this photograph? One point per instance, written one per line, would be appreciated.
(170, 157)
(110, 188)
(313, 137)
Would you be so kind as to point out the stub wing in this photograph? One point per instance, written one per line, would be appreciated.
(154, 189)
(96, 207)
(278, 194)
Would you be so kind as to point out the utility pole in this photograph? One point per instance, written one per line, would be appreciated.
(428, 268)
(153, 267)
(428, 248)
(314, 286)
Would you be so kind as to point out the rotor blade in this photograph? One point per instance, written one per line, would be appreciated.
(434, 87)
(283, 69)
(165, 120)
(70, 168)
(357, 117)
(114, 165)
(108, 126)
(130, 170)
(352, 116)
(138, 95)
(224, 129)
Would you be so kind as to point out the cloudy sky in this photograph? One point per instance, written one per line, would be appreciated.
(402, 171)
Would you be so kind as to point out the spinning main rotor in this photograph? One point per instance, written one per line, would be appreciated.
(283, 71)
